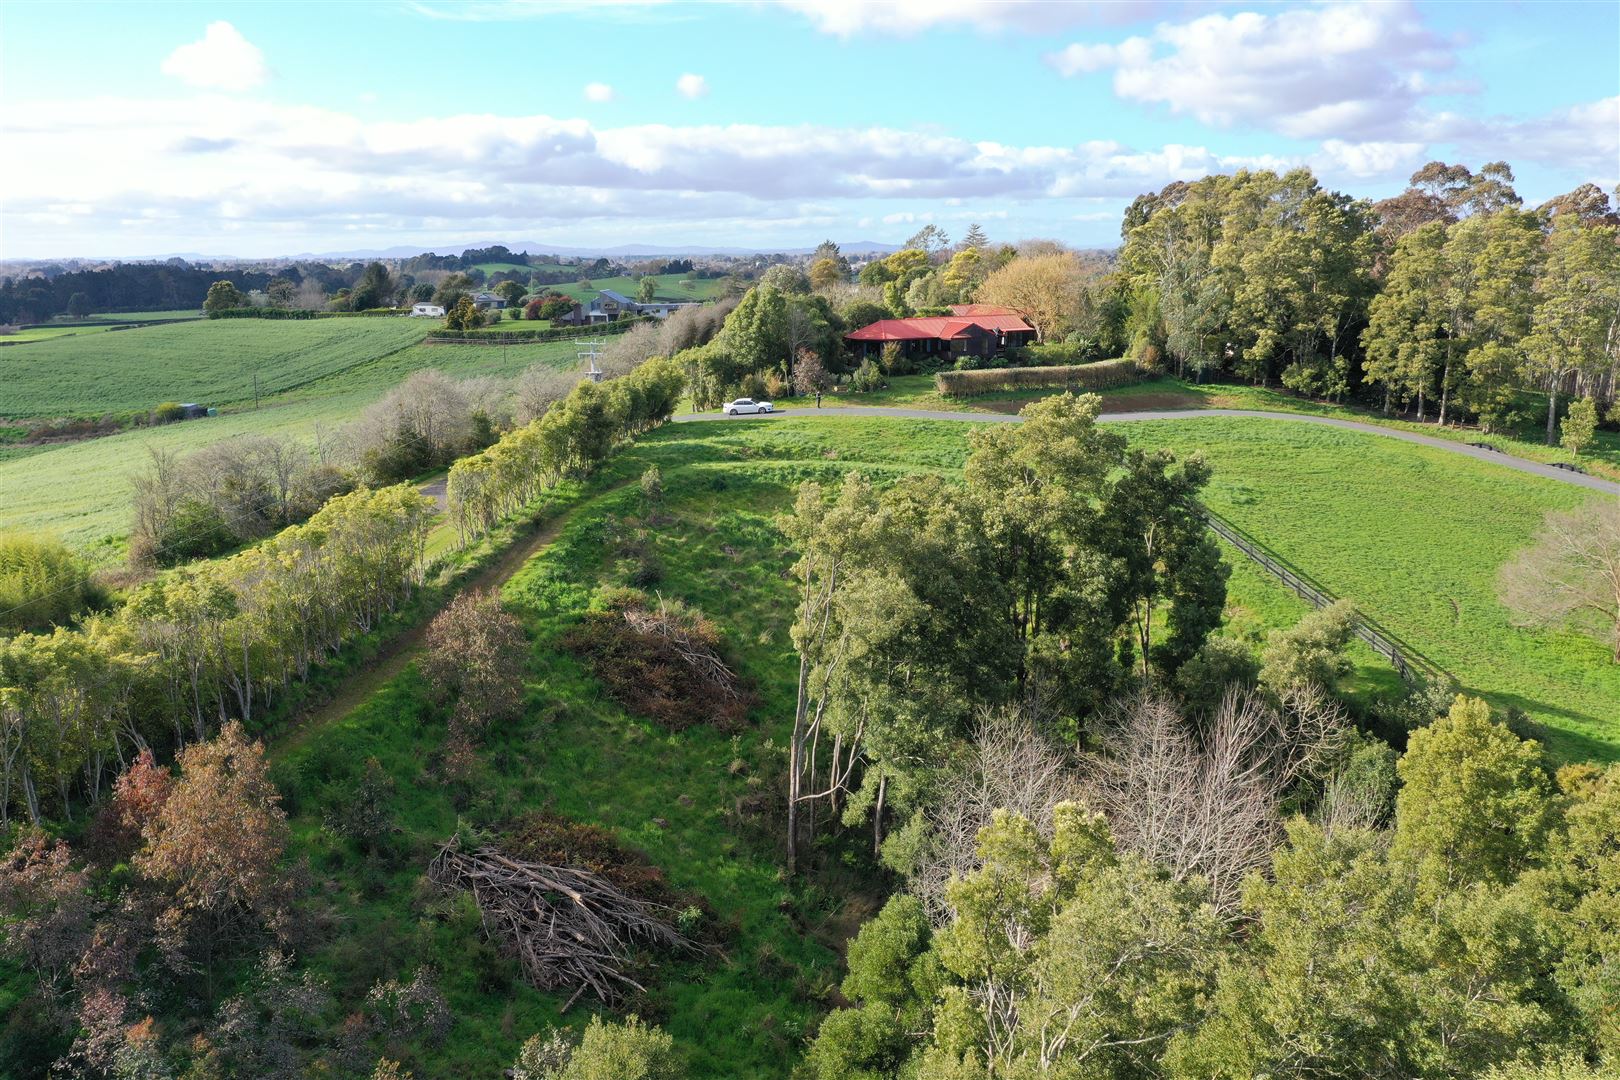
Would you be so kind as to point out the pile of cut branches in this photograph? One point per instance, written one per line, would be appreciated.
(569, 927)
(664, 663)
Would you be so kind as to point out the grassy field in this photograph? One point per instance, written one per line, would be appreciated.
(670, 287)
(80, 490)
(213, 362)
(95, 324)
(1415, 536)
(51, 333)
(1412, 534)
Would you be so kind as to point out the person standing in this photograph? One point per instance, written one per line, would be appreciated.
(818, 399)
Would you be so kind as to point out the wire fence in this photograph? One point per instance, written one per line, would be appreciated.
(1411, 664)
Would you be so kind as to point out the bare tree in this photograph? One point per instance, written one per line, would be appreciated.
(1206, 804)
(1011, 766)
(1571, 575)
(631, 349)
(537, 389)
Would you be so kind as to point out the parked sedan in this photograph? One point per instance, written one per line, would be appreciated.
(746, 405)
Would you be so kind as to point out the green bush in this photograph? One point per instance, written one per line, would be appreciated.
(168, 413)
(867, 377)
(1100, 376)
(195, 530)
(1056, 353)
(42, 583)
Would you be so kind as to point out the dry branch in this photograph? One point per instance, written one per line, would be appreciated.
(570, 928)
(689, 644)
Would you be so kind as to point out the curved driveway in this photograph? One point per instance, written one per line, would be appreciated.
(1495, 457)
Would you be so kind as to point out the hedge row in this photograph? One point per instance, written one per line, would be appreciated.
(301, 313)
(1099, 376)
(539, 333)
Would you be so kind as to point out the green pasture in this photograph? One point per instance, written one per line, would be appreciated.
(81, 490)
(670, 287)
(214, 362)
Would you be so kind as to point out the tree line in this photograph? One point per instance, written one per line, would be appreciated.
(215, 641)
(570, 438)
(1451, 298)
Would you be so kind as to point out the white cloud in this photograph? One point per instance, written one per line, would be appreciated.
(222, 60)
(224, 167)
(599, 92)
(846, 18)
(692, 86)
(1369, 159)
(1340, 70)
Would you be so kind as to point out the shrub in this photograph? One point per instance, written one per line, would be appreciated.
(168, 413)
(1057, 353)
(42, 583)
(196, 530)
(1100, 376)
(867, 377)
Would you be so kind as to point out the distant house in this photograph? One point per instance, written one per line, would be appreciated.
(484, 301)
(663, 309)
(970, 330)
(609, 305)
(427, 311)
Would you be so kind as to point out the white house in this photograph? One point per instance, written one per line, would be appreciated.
(427, 311)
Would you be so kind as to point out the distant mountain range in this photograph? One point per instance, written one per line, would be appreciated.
(405, 251)
(617, 251)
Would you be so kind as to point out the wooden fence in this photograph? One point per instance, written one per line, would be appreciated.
(1412, 665)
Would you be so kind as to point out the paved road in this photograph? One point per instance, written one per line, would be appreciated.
(1495, 457)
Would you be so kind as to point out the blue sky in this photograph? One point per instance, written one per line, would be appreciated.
(274, 128)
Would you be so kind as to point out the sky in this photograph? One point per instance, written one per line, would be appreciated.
(280, 128)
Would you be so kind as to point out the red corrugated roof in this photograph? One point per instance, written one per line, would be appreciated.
(937, 326)
(941, 327)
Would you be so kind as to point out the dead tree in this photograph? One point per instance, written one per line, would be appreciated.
(1011, 766)
(570, 928)
(1206, 804)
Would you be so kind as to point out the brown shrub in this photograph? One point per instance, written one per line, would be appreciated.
(664, 664)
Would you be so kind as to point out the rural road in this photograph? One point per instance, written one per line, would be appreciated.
(1495, 457)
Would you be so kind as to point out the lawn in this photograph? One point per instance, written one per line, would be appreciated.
(212, 361)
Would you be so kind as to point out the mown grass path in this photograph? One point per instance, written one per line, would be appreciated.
(392, 658)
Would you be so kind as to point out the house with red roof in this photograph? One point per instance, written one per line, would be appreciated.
(969, 330)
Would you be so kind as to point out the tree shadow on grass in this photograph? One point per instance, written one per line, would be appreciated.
(1566, 743)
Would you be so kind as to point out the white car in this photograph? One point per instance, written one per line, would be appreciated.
(746, 405)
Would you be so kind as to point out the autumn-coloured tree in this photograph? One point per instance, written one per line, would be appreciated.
(217, 839)
(138, 798)
(809, 373)
(45, 906)
(1045, 289)
(475, 657)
